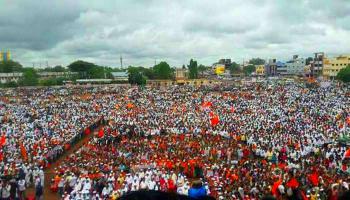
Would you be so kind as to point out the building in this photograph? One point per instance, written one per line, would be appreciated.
(10, 77)
(260, 70)
(331, 66)
(93, 81)
(281, 68)
(120, 76)
(271, 68)
(227, 62)
(307, 70)
(181, 74)
(52, 75)
(166, 83)
(295, 66)
(14, 77)
(220, 67)
(317, 64)
(5, 56)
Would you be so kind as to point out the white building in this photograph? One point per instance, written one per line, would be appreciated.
(10, 77)
(295, 66)
(120, 76)
(14, 77)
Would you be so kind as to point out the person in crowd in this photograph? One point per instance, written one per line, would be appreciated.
(242, 143)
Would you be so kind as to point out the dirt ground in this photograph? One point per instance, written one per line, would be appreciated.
(49, 172)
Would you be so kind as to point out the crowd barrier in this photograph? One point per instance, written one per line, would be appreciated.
(58, 151)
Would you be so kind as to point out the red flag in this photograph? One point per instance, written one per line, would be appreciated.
(347, 154)
(293, 183)
(101, 133)
(348, 120)
(87, 131)
(2, 140)
(313, 178)
(207, 104)
(232, 109)
(211, 114)
(275, 187)
(67, 146)
(214, 120)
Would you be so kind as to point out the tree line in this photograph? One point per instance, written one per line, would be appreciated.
(136, 75)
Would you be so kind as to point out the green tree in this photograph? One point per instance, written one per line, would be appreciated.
(89, 70)
(234, 68)
(344, 74)
(97, 72)
(59, 68)
(29, 78)
(202, 69)
(10, 66)
(82, 68)
(163, 71)
(52, 81)
(149, 73)
(248, 70)
(308, 60)
(10, 84)
(193, 69)
(135, 76)
(257, 61)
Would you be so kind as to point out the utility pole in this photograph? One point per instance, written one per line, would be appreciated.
(104, 71)
(121, 62)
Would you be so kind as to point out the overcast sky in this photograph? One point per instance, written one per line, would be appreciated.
(61, 31)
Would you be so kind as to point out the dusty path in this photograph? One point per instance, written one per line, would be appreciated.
(50, 172)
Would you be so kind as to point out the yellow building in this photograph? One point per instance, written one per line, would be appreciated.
(219, 69)
(260, 70)
(331, 66)
(5, 56)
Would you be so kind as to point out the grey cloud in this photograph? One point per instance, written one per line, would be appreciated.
(141, 31)
(36, 25)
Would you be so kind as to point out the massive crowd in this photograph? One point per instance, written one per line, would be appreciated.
(241, 143)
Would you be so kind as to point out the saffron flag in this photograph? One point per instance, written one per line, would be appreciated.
(348, 120)
(129, 106)
(23, 151)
